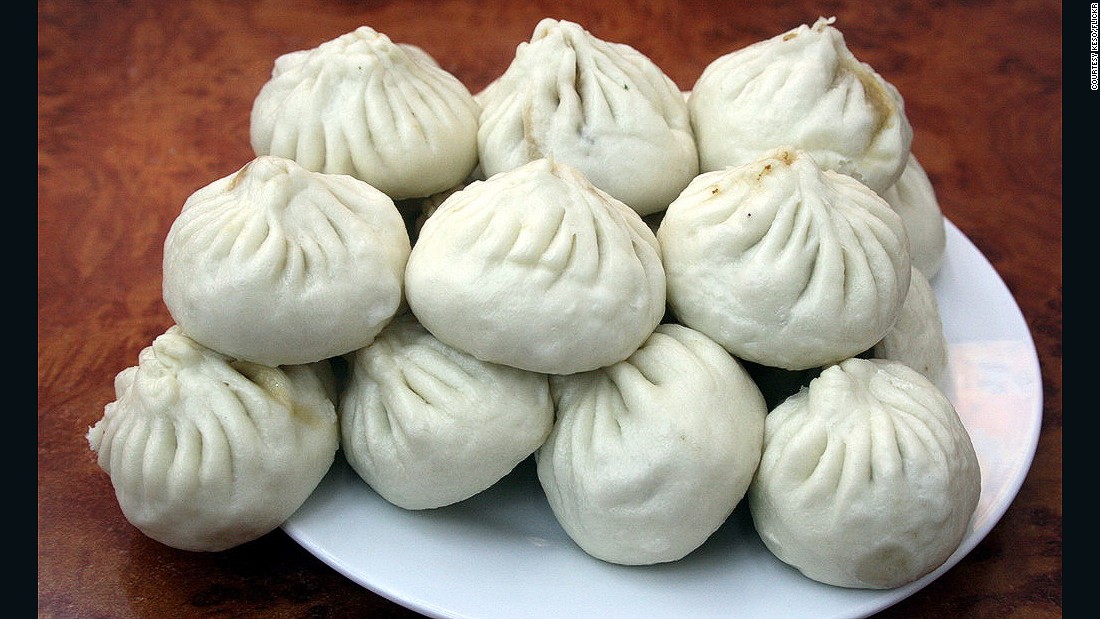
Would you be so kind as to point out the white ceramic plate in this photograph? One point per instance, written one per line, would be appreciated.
(501, 554)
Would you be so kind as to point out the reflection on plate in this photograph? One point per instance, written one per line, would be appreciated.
(501, 554)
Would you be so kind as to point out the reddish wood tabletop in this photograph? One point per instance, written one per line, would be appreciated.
(142, 103)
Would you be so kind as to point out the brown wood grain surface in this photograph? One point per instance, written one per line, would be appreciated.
(142, 103)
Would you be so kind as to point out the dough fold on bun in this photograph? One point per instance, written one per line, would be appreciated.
(362, 105)
(427, 425)
(651, 455)
(784, 263)
(803, 88)
(538, 269)
(601, 107)
(205, 452)
(279, 265)
(868, 478)
(917, 338)
(914, 198)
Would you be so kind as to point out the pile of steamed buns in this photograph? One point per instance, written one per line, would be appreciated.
(673, 301)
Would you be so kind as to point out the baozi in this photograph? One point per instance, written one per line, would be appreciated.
(649, 456)
(279, 265)
(205, 452)
(803, 88)
(601, 107)
(426, 425)
(868, 477)
(784, 263)
(914, 198)
(362, 105)
(917, 338)
(538, 269)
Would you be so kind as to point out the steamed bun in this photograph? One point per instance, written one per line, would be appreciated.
(364, 106)
(206, 453)
(601, 107)
(784, 263)
(868, 477)
(651, 455)
(803, 88)
(279, 265)
(917, 338)
(538, 269)
(914, 198)
(426, 425)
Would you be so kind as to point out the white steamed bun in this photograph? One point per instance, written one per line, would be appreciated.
(538, 269)
(868, 477)
(805, 89)
(917, 338)
(426, 425)
(280, 265)
(206, 453)
(601, 107)
(784, 263)
(367, 107)
(914, 198)
(651, 455)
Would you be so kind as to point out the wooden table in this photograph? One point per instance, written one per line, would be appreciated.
(142, 103)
